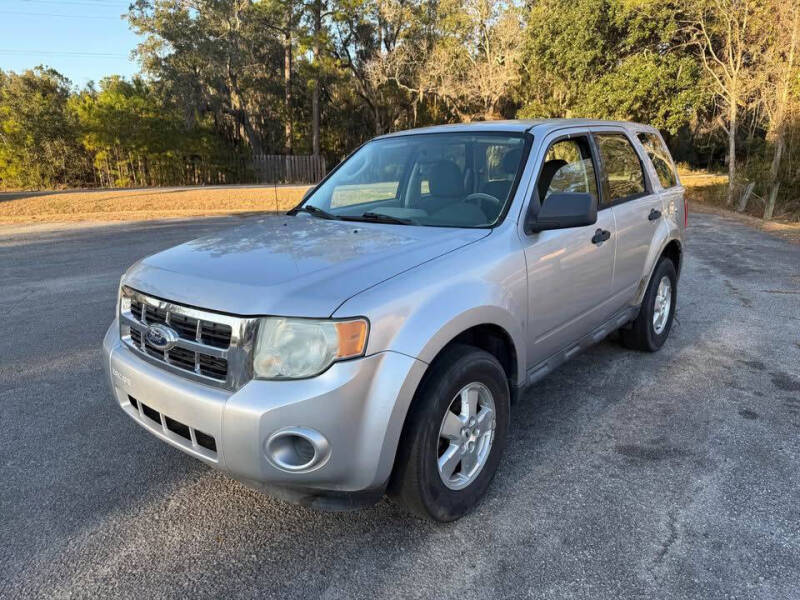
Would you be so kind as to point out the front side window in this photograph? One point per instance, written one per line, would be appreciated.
(659, 156)
(567, 168)
(622, 165)
(443, 180)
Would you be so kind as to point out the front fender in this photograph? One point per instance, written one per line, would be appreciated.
(419, 312)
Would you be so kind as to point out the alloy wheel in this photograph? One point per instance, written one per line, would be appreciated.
(662, 305)
(466, 435)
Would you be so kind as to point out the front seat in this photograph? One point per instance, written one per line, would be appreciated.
(549, 170)
(446, 184)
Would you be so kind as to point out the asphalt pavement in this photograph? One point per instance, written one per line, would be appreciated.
(627, 475)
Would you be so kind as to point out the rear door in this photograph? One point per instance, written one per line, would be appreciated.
(664, 175)
(569, 270)
(629, 193)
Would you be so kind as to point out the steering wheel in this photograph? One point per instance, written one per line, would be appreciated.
(489, 205)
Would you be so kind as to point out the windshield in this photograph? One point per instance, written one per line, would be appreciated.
(441, 180)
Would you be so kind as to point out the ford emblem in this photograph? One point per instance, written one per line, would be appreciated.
(161, 337)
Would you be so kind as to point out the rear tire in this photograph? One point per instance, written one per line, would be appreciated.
(651, 328)
(448, 456)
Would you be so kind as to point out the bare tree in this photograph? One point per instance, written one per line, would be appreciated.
(367, 35)
(730, 35)
(282, 18)
(783, 66)
(316, 17)
(470, 62)
(476, 62)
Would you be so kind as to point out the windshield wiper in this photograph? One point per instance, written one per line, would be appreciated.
(379, 218)
(313, 210)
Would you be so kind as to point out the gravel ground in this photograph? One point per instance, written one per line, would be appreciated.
(628, 475)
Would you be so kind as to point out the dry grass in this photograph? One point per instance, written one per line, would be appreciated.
(708, 193)
(126, 205)
(707, 188)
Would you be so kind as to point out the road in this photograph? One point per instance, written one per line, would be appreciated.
(627, 475)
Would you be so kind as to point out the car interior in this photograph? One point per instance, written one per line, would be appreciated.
(447, 180)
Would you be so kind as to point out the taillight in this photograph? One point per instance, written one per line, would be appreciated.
(685, 212)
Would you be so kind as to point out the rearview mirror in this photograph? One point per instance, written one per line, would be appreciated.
(562, 210)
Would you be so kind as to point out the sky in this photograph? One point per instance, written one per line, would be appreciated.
(84, 40)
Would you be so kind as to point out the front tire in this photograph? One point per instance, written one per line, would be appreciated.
(651, 328)
(454, 435)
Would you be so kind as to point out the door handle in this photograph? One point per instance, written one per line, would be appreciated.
(654, 214)
(600, 236)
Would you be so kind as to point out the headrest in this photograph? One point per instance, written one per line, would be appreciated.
(549, 169)
(446, 179)
(511, 160)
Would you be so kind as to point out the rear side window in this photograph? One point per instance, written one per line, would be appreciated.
(659, 156)
(622, 165)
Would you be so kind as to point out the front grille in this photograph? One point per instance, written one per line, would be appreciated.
(206, 332)
(181, 358)
(212, 367)
(187, 327)
(215, 334)
(192, 438)
(206, 341)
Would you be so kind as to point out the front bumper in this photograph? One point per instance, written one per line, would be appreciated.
(359, 406)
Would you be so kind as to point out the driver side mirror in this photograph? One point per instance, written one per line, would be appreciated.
(562, 210)
(308, 192)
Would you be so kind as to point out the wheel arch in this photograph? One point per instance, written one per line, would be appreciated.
(489, 337)
(671, 248)
(486, 335)
(496, 341)
(484, 328)
(674, 251)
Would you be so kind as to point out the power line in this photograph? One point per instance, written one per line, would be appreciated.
(121, 6)
(37, 14)
(14, 52)
(124, 3)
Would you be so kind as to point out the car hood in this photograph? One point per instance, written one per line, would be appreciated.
(292, 266)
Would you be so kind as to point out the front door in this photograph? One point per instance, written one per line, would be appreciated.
(569, 270)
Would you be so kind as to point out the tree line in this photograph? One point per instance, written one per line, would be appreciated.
(222, 80)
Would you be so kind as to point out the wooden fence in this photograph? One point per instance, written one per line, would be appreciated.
(278, 168)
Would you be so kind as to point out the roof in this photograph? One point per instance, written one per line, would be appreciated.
(512, 126)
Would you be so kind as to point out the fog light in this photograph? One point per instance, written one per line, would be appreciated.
(297, 449)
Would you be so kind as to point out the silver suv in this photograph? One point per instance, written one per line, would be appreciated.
(374, 338)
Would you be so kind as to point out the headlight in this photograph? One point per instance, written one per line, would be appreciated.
(123, 297)
(297, 348)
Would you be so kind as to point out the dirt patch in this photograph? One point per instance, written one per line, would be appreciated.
(787, 231)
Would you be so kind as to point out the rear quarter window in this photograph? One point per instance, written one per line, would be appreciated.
(659, 156)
